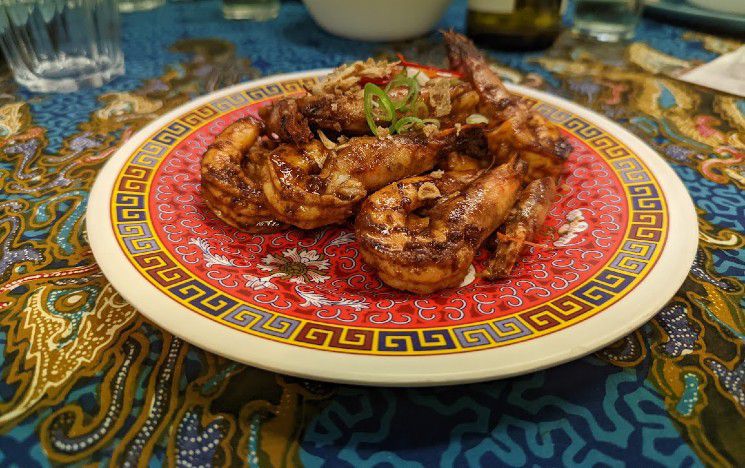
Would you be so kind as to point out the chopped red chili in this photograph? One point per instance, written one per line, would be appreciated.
(380, 81)
(428, 69)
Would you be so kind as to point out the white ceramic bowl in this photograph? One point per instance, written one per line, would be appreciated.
(377, 20)
(736, 7)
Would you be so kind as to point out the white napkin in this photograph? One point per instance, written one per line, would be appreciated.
(725, 73)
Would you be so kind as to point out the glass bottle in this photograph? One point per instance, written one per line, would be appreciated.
(514, 24)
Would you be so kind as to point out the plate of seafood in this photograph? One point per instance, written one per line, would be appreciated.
(392, 223)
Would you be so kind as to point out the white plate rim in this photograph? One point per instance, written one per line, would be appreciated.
(618, 320)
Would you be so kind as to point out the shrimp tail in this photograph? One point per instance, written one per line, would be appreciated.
(465, 57)
(525, 219)
(516, 126)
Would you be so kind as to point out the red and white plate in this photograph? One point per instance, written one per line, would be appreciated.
(305, 303)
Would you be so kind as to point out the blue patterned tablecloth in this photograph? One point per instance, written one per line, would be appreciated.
(671, 393)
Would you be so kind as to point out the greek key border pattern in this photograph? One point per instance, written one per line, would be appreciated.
(639, 251)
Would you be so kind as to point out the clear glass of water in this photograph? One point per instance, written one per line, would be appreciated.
(61, 45)
(128, 6)
(256, 10)
(607, 20)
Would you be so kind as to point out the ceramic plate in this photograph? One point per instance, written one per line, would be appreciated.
(622, 237)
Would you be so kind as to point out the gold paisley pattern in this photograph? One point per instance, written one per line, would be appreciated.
(53, 356)
(66, 324)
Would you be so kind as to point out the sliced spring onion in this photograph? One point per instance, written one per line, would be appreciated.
(373, 91)
(407, 123)
(412, 91)
(476, 119)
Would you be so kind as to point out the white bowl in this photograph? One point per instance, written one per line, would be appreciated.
(736, 7)
(377, 20)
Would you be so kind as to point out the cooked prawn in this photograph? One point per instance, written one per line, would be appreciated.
(421, 234)
(336, 103)
(522, 224)
(285, 123)
(312, 186)
(515, 127)
(345, 113)
(230, 185)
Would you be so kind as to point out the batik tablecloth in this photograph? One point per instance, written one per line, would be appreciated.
(85, 379)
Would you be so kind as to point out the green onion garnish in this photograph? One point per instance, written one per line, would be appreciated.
(405, 124)
(412, 93)
(477, 119)
(372, 91)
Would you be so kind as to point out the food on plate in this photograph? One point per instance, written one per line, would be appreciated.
(338, 102)
(356, 144)
(513, 126)
(521, 226)
(230, 179)
(422, 233)
(285, 123)
(311, 185)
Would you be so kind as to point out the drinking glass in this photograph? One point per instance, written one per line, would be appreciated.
(128, 6)
(61, 45)
(256, 10)
(607, 20)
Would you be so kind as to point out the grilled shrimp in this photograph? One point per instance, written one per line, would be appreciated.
(285, 122)
(229, 185)
(346, 112)
(516, 127)
(312, 186)
(340, 113)
(337, 104)
(422, 233)
(522, 224)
